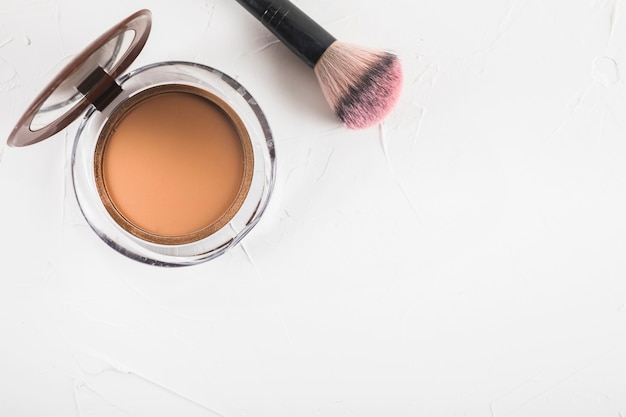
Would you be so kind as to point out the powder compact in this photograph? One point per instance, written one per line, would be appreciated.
(173, 163)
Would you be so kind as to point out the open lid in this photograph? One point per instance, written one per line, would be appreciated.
(89, 73)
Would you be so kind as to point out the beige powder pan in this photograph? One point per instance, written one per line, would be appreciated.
(173, 163)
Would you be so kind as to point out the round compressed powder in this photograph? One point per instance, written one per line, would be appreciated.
(174, 164)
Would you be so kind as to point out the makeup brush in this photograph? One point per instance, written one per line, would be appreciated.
(360, 84)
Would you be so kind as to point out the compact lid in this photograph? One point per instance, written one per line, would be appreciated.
(80, 83)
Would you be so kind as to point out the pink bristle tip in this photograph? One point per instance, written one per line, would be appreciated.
(375, 98)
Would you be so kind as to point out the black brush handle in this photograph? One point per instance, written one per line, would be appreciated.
(292, 26)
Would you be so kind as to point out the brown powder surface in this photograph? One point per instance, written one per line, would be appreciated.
(174, 164)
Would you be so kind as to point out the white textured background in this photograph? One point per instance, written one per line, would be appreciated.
(465, 258)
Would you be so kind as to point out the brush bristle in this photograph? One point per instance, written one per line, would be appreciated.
(361, 85)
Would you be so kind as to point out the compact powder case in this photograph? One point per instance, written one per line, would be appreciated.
(173, 163)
